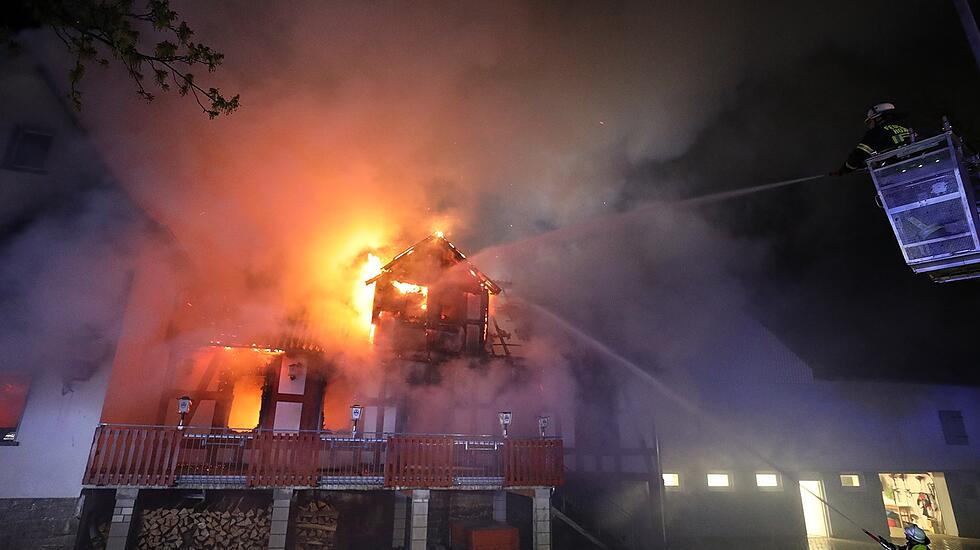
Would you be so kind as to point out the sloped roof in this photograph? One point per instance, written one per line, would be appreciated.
(458, 257)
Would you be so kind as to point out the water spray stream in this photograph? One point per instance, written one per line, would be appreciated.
(600, 223)
(708, 420)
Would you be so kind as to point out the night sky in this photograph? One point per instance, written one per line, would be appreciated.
(836, 288)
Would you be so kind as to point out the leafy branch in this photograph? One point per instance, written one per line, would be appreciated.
(89, 28)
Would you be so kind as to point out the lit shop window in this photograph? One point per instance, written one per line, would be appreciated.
(850, 480)
(13, 398)
(767, 480)
(719, 481)
(672, 480)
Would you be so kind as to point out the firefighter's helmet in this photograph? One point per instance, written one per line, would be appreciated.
(879, 110)
(915, 534)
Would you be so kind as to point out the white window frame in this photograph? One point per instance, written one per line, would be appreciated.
(727, 474)
(671, 487)
(858, 487)
(769, 488)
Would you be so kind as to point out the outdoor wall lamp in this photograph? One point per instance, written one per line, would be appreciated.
(543, 422)
(183, 407)
(505, 418)
(355, 415)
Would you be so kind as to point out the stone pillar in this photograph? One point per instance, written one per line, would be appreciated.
(281, 501)
(541, 517)
(420, 518)
(122, 513)
(401, 519)
(500, 506)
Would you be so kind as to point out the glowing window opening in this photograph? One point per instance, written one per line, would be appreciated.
(767, 480)
(719, 481)
(672, 480)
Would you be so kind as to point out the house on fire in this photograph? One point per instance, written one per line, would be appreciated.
(261, 452)
(430, 303)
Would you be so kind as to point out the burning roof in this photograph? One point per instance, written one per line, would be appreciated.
(440, 255)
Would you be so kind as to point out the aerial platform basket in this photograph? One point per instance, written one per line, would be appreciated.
(928, 190)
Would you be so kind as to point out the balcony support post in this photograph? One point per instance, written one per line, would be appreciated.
(541, 510)
(401, 520)
(500, 506)
(281, 502)
(122, 514)
(420, 519)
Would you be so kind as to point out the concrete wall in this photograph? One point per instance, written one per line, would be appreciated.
(30, 523)
(964, 492)
(698, 517)
(54, 438)
(804, 430)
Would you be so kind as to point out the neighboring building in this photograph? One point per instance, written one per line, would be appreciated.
(49, 405)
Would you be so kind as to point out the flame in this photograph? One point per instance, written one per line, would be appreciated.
(409, 288)
(439, 234)
(363, 298)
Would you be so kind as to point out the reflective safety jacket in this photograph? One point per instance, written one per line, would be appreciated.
(907, 546)
(881, 138)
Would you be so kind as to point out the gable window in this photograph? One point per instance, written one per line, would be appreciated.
(954, 429)
(27, 150)
(13, 398)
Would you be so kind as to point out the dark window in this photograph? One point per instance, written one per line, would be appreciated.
(27, 151)
(13, 397)
(954, 430)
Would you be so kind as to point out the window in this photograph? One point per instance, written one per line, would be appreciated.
(767, 480)
(13, 398)
(28, 150)
(850, 480)
(672, 480)
(719, 481)
(954, 429)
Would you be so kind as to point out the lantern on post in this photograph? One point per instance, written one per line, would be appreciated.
(543, 422)
(355, 415)
(505, 418)
(183, 407)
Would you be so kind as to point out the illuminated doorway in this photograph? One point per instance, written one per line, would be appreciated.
(814, 511)
(921, 498)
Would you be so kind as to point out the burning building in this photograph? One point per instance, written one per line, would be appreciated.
(384, 429)
(253, 412)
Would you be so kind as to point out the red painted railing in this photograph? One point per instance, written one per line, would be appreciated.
(162, 456)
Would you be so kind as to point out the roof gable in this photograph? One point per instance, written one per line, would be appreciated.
(428, 259)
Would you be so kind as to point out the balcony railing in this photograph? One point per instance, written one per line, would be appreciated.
(163, 456)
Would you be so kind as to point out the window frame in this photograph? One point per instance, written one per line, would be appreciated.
(769, 488)
(950, 421)
(14, 142)
(15, 441)
(728, 476)
(860, 480)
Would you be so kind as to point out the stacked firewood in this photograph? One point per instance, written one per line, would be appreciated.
(186, 528)
(316, 526)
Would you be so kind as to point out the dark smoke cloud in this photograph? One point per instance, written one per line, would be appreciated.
(365, 126)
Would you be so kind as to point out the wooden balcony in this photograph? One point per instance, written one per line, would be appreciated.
(195, 457)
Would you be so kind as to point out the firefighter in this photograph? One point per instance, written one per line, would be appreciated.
(884, 134)
(915, 539)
